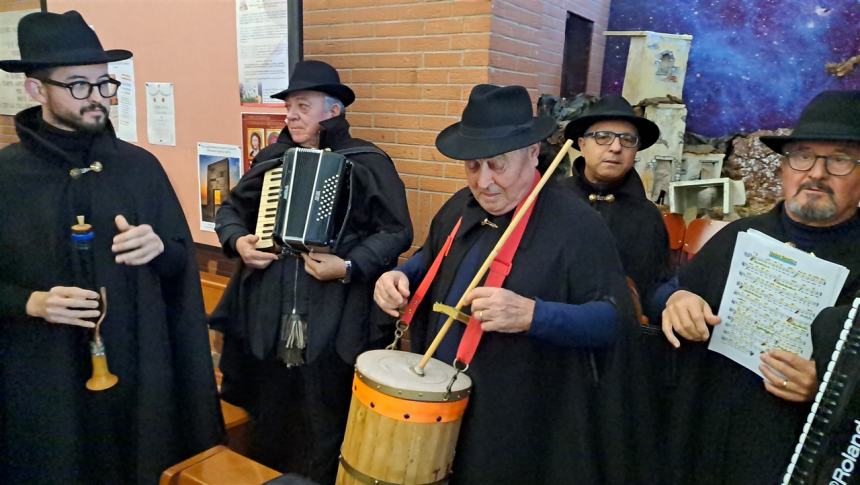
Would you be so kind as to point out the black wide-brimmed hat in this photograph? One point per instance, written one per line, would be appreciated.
(612, 107)
(317, 76)
(496, 120)
(830, 116)
(51, 40)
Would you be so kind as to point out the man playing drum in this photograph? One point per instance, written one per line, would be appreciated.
(548, 330)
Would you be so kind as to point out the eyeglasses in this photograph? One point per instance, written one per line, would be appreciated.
(607, 137)
(497, 165)
(838, 164)
(83, 89)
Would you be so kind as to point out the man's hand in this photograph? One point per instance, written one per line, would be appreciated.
(391, 292)
(247, 249)
(64, 305)
(500, 310)
(688, 315)
(324, 267)
(800, 381)
(135, 245)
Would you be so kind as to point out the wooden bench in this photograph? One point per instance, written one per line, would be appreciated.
(235, 418)
(218, 466)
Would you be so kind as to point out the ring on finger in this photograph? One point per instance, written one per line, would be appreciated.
(481, 315)
(784, 383)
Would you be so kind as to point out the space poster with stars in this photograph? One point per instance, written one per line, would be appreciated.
(753, 64)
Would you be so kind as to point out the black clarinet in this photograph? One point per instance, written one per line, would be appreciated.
(828, 451)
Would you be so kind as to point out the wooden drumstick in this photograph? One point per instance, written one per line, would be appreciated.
(419, 369)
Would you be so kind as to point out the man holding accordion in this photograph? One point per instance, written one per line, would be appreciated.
(294, 322)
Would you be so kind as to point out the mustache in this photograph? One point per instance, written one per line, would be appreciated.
(815, 186)
(94, 107)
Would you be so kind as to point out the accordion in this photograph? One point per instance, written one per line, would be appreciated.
(828, 450)
(304, 202)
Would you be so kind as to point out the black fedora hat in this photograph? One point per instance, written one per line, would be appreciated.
(496, 120)
(830, 116)
(317, 76)
(612, 107)
(51, 40)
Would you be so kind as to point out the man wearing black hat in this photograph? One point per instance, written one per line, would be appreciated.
(739, 428)
(609, 134)
(299, 407)
(547, 330)
(69, 164)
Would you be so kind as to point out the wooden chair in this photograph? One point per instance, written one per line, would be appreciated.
(676, 228)
(697, 234)
(218, 466)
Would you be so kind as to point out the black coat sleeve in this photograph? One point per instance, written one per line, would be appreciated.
(381, 219)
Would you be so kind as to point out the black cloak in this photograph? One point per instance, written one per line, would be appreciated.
(164, 408)
(724, 427)
(535, 414)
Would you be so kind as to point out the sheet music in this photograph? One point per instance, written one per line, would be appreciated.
(772, 295)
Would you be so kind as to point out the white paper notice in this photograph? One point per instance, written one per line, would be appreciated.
(123, 114)
(160, 115)
(772, 295)
(218, 172)
(13, 98)
(261, 33)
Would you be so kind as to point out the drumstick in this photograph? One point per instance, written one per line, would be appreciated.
(419, 369)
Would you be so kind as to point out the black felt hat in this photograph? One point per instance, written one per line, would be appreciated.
(612, 107)
(48, 39)
(496, 120)
(830, 116)
(317, 76)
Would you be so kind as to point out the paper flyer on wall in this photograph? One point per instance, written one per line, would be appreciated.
(772, 295)
(218, 172)
(13, 97)
(160, 114)
(263, 57)
(123, 112)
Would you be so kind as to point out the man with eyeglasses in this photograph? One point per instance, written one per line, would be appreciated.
(549, 328)
(732, 426)
(69, 164)
(609, 134)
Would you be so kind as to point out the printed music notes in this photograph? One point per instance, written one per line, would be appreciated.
(772, 295)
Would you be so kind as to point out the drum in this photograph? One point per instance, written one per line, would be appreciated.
(402, 427)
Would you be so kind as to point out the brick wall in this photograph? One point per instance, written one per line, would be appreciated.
(413, 63)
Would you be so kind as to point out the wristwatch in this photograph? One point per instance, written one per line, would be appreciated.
(347, 277)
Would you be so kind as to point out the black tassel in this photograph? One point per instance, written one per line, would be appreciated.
(292, 341)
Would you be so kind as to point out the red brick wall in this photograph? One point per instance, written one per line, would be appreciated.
(413, 63)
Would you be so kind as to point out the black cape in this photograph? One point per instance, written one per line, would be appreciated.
(300, 413)
(724, 427)
(636, 224)
(165, 407)
(533, 416)
(643, 245)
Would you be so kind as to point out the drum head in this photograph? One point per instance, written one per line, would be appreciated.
(393, 369)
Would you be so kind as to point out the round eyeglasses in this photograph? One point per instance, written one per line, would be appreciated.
(627, 140)
(83, 89)
(837, 164)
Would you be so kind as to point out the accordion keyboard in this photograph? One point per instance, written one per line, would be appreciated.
(268, 208)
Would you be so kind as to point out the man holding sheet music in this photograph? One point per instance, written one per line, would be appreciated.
(730, 425)
(548, 330)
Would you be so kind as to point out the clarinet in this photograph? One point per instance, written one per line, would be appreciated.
(828, 450)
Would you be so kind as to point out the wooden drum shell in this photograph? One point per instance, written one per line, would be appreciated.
(394, 439)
